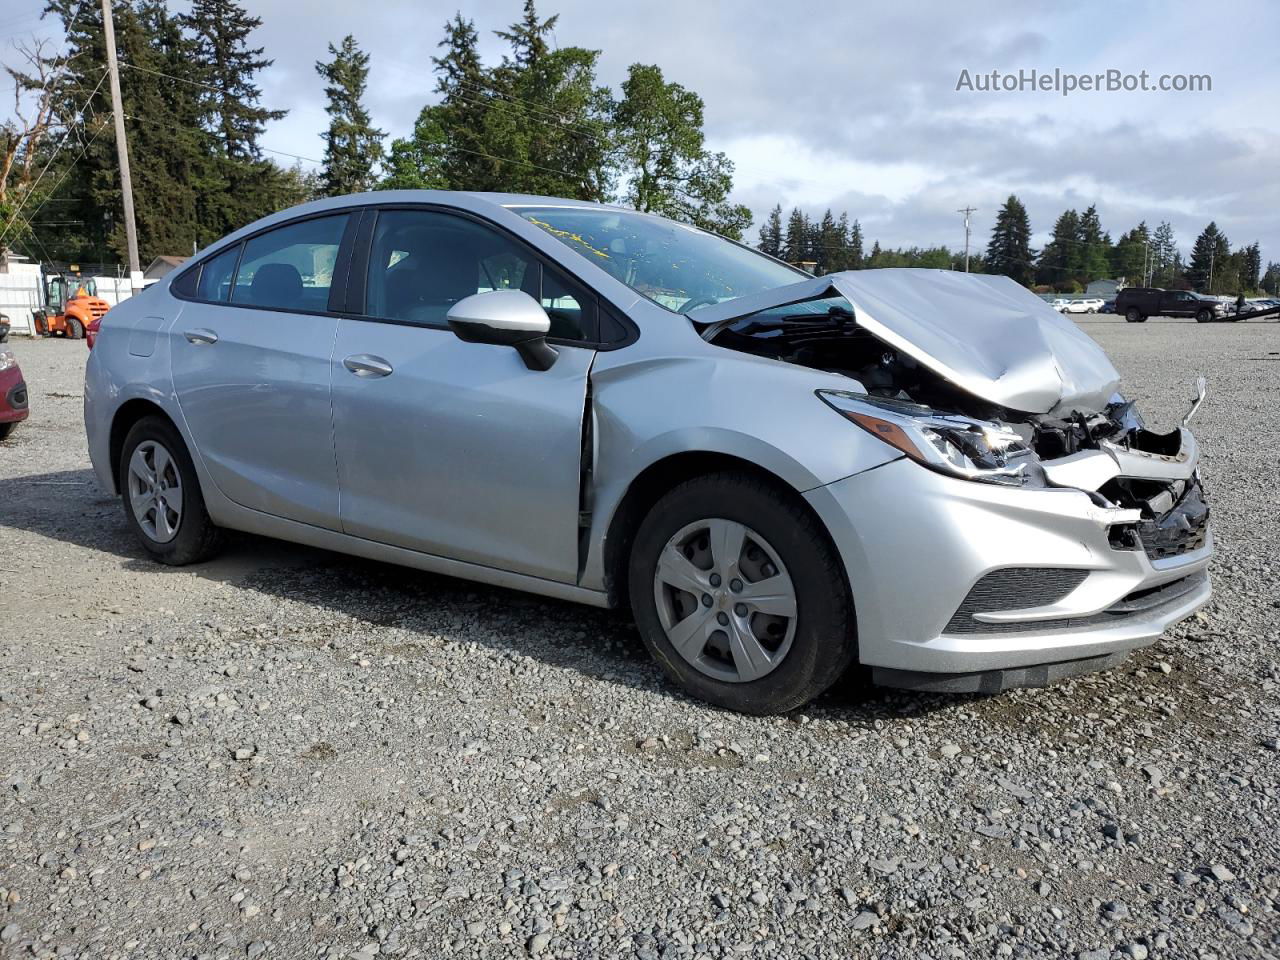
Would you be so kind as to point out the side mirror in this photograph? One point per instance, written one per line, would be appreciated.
(509, 318)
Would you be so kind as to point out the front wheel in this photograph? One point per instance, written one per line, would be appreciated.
(740, 596)
(75, 329)
(161, 495)
(1204, 316)
(6, 429)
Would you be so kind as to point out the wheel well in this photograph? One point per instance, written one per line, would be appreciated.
(650, 486)
(129, 413)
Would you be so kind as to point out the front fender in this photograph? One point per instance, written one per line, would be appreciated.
(760, 411)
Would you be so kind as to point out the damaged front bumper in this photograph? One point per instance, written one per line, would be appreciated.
(971, 586)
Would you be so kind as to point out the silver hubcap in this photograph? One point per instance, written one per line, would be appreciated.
(725, 600)
(155, 491)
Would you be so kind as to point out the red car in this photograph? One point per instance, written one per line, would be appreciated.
(91, 331)
(13, 393)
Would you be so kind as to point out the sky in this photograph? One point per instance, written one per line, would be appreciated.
(855, 106)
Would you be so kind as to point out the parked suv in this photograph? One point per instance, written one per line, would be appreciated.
(927, 472)
(1138, 303)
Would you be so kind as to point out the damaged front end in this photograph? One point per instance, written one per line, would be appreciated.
(1036, 407)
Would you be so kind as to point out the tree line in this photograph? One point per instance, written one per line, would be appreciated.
(832, 243)
(1080, 251)
(536, 122)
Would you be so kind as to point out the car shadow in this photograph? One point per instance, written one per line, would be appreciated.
(603, 644)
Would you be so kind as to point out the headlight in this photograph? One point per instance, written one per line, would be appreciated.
(7, 360)
(949, 443)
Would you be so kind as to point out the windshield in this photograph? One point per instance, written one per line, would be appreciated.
(676, 266)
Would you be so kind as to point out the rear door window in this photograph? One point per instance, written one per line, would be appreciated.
(291, 267)
(216, 274)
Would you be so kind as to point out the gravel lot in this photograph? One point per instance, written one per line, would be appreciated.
(288, 753)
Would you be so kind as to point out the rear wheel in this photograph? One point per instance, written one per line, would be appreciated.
(161, 495)
(75, 329)
(1204, 316)
(739, 595)
(1133, 316)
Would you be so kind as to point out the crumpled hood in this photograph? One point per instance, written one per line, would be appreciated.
(988, 335)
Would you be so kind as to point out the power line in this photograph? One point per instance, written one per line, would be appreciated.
(56, 150)
(174, 126)
(494, 90)
(65, 172)
(568, 129)
(169, 76)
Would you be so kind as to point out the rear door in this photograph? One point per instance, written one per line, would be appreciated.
(451, 448)
(251, 366)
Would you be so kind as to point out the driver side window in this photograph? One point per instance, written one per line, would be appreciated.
(422, 262)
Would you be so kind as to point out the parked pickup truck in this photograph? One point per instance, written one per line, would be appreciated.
(1138, 303)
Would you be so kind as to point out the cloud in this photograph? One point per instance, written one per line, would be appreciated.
(855, 106)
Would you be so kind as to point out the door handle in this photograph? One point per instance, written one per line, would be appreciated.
(367, 365)
(201, 335)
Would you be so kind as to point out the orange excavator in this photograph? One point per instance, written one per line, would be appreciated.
(71, 303)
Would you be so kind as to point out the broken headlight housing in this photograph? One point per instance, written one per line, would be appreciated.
(953, 444)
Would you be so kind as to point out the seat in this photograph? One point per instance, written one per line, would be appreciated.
(276, 285)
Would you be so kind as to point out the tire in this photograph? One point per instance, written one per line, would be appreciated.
(6, 429)
(1133, 316)
(185, 535)
(811, 648)
(1091, 310)
(1204, 316)
(75, 329)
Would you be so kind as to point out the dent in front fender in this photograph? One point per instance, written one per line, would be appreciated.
(716, 401)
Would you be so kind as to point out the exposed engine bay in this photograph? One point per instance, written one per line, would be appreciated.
(1107, 453)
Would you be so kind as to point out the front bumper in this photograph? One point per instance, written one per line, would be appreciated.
(916, 543)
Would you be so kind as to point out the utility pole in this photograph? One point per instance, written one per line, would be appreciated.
(1209, 287)
(966, 211)
(122, 149)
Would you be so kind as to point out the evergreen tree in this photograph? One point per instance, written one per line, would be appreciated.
(1131, 255)
(1059, 264)
(546, 119)
(1208, 256)
(1251, 266)
(227, 63)
(353, 146)
(658, 129)
(795, 247)
(1271, 279)
(877, 255)
(1009, 252)
(853, 258)
(827, 244)
(771, 233)
(1164, 268)
(1095, 247)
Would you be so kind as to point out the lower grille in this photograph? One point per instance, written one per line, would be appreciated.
(1013, 588)
(1135, 604)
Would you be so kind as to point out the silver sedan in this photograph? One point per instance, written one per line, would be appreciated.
(927, 473)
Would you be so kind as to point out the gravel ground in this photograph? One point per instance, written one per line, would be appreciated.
(289, 753)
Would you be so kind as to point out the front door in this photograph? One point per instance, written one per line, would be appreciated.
(451, 448)
(252, 365)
